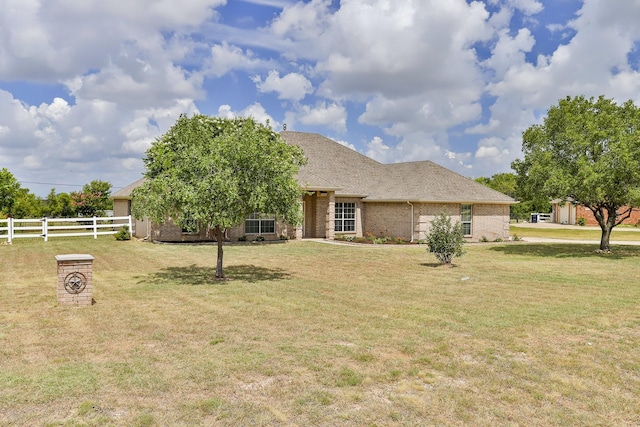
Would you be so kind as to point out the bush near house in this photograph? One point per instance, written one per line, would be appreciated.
(445, 239)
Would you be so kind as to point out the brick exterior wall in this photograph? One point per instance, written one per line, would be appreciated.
(586, 213)
(490, 221)
(376, 218)
(394, 220)
(316, 208)
(387, 220)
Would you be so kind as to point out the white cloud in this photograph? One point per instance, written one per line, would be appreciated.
(528, 7)
(293, 86)
(409, 68)
(55, 111)
(331, 115)
(40, 39)
(59, 140)
(225, 57)
(255, 111)
(346, 144)
(378, 150)
(302, 20)
(509, 51)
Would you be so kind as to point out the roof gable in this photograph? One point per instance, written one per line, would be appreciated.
(339, 167)
(332, 166)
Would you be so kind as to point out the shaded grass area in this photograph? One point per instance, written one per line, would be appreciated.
(575, 233)
(567, 250)
(312, 334)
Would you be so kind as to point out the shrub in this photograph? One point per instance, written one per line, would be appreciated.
(242, 239)
(444, 239)
(582, 221)
(484, 239)
(259, 238)
(123, 234)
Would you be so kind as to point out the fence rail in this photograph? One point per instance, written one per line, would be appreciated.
(16, 228)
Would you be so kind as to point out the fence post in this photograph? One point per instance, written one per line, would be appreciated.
(10, 231)
(95, 227)
(44, 229)
(130, 226)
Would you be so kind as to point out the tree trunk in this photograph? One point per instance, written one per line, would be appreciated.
(220, 239)
(606, 217)
(604, 239)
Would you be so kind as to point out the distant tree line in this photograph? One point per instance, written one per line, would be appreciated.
(18, 202)
(506, 183)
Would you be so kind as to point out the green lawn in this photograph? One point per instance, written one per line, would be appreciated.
(308, 333)
(620, 233)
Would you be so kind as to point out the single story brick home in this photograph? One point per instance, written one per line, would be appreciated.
(569, 213)
(347, 193)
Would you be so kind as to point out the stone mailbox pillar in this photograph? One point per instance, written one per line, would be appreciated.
(75, 279)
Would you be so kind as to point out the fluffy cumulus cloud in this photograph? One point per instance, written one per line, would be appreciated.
(452, 81)
(332, 115)
(78, 140)
(225, 58)
(293, 86)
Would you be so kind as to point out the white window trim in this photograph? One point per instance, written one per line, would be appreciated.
(260, 218)
(469, 221)
(342, 219)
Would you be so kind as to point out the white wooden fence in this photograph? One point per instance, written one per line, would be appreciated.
(15, 228)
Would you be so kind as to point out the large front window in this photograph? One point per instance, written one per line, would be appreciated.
(260, 224)
(345, 217)
(465, 219)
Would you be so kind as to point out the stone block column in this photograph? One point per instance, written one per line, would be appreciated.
(75, 277)
(331, 216)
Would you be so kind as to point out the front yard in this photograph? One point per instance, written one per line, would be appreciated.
(308, 333)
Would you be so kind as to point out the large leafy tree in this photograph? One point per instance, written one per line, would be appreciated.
(506, 183)
(58, 205)
(27, 205)
(215, 172)
(9, 192)
(587, 151)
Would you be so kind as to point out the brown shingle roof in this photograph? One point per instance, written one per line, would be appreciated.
(125, 193)
(333, 165)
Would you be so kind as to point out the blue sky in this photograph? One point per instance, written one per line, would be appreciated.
(86, 86)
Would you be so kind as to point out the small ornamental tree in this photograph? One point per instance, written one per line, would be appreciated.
(214, 172)
(445, 239)
(93, 200)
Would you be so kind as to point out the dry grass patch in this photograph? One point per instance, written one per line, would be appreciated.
(314, 334)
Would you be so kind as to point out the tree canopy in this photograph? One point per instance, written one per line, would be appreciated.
(215, 172)
(94, 199)
(506, 183)
(9, 191)
(19, 202)
(587, 151)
